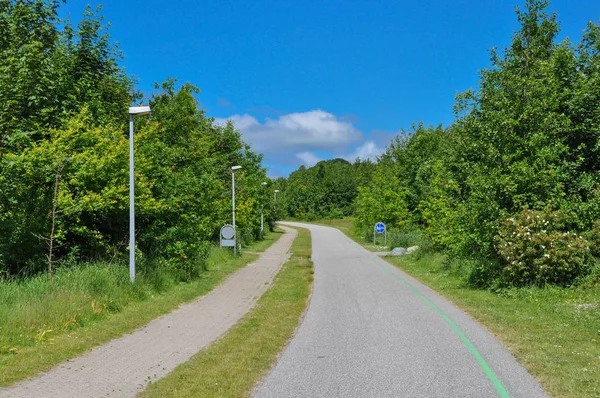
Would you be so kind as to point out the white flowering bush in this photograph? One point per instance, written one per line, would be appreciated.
(537, 249)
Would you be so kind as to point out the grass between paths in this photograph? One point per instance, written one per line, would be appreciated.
(43, 324)
(233, 365)
(554, 332)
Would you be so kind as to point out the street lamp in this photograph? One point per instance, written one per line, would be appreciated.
(233, 169)
(262, 217)
(275, 202)
(133, 111)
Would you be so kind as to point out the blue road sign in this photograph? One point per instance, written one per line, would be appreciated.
(380, 227)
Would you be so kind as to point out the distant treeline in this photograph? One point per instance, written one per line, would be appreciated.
(64, 156)
(513, 181)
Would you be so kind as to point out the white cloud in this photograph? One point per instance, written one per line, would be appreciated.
(368, 150)
(316, 130)
(241, 122)
(309, 158)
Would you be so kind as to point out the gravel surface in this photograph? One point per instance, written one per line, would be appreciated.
(373, 331)
(123, 367)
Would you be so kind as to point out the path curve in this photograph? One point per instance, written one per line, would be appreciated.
(124, 366)
(373, 331)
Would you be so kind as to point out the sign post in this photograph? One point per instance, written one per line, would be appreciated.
(228, 236)
(380, 229)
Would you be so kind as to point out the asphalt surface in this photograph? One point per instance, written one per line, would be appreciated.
(125, 366)
(373, 331)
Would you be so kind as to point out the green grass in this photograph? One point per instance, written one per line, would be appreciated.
(232, 366)
(43, 323)
(554, 332)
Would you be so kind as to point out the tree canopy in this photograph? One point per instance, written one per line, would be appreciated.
(64, 153)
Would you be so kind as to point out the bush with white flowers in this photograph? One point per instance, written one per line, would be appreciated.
(537, 249)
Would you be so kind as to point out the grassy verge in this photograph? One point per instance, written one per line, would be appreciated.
(554, 332)
(43, 323)
(232, 366)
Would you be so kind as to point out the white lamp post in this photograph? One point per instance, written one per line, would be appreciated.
(233, 169)
(275, 201)
(133, 111)
(262, 217)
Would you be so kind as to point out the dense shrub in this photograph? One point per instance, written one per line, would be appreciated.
(593, 237)
(536, 249)
(406, 238)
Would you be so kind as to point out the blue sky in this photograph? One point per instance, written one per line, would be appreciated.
(309, 80)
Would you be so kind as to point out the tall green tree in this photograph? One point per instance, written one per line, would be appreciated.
(401, 183)
(64, 155)
(29, 36)
(49, 71)
(519, 141)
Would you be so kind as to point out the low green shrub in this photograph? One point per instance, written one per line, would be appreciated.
(537, 249)
(335, 213)
(366, 233)
(405, 238)
(426, 246)
(485, 273)
(593, 238)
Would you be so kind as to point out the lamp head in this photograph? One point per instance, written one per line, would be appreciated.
(139, 110)
(234, 168)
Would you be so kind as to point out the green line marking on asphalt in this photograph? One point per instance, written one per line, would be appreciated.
(470, 346)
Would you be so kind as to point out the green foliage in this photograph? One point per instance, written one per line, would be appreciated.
(64, 155)
(383, 200)
(92, 197)
(520, 141)
(528, 137)
(401, 180)
(28, 39)
(57, 84)
(406, 238)
(537, 249)
(183, 191)
(593, 238)
(50, 70)
(326, 190)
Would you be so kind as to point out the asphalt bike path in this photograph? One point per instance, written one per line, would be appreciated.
(123, 367)
(373, 331)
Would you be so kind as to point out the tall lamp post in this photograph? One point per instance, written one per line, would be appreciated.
(133, 111)
(262, 216)
(275, 202)
(233, 169)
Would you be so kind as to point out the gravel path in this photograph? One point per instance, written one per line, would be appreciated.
(123, 367)
(373, 331)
